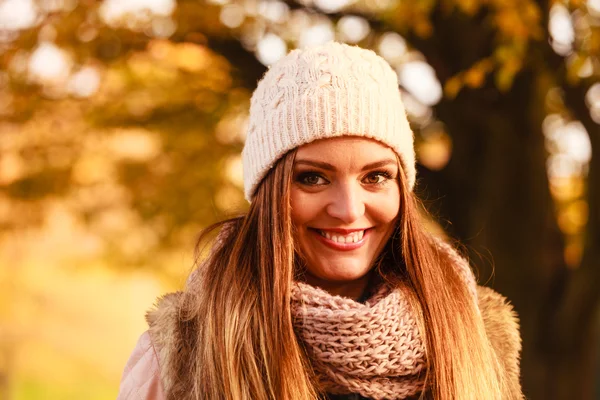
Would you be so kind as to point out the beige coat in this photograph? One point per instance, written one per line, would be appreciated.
(150, 372)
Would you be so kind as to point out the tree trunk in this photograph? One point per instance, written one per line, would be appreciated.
(497, 201)
(573, 348)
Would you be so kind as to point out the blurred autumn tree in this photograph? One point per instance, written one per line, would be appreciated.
(132, 120)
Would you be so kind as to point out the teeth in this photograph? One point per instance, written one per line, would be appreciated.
(351, 238)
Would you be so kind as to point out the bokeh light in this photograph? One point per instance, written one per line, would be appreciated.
(420, 80)
(319, 33)
(569, 146)
(592, 99)
(273, 10)
(561, 29)
(270, 49)
(50, 64)
(232, 15)
(85, 82)
(353, 29)
(113, 11)
(331, 6)
(392, 47)
(17, 14)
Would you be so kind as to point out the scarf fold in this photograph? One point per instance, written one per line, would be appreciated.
(374, 349)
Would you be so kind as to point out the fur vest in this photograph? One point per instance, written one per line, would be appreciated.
(501, 324)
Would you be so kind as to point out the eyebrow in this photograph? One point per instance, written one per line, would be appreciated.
(329, 167)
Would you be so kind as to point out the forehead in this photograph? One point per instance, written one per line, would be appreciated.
(346, 149)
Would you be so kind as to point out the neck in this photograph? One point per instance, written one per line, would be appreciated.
(350, 289)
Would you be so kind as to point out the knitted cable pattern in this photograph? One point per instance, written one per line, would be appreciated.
(325, 91)
(374, 349)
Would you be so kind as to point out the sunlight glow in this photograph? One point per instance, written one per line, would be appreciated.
(561, 29)
(592, 99)
(316, 34)
(135, 144)
(392, 46)
(162, 27)
(273, 10)
(331, 6)
(233, 171)
(232, 15)
(12, 167)
(84, 82)
(435, 148)
(569, 146)
(353, 29)
(113, 10)
(49, 64)
(594, 7)
(50, 6)
(17, 14)
(270, 49)
(418, 112)
(420, 80)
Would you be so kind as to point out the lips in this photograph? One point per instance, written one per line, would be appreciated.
(342, 239)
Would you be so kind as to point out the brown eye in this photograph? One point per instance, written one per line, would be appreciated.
(310, 179)
(377, 178)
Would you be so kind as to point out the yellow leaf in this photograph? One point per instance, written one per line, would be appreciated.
(193, 58)
(452, 87)
(422, 27)
(573, 67)
(573, 253)
(504, 79)
(469, 7)
(531, 12)
(474, 77)
(503, 53)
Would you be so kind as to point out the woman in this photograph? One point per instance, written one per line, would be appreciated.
(329, 287)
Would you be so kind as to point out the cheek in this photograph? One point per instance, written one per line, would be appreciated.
(297, 212)
(302, 214)
(390, 210)
(305, 207)
(386, 208)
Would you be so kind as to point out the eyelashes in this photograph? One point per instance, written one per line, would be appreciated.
(310, 178)
(383, 174)
(374, 178)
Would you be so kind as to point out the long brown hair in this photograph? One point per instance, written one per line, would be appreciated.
(236, 310)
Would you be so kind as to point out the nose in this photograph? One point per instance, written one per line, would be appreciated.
(347, 204)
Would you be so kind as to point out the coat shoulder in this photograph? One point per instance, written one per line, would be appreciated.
(141, 376)
(163, 321)
(502, 328)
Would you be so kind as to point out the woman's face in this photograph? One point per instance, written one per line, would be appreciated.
(345, 199)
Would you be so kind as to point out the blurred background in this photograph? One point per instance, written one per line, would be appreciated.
(122, 121)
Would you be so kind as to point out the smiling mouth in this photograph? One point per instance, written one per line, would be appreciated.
(346, 240)
(340, 238)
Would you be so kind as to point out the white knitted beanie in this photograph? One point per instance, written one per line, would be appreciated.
(321, 92)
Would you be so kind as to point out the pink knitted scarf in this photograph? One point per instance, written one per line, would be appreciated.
(374, 349)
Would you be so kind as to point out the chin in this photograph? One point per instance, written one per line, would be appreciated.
(346, 272)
